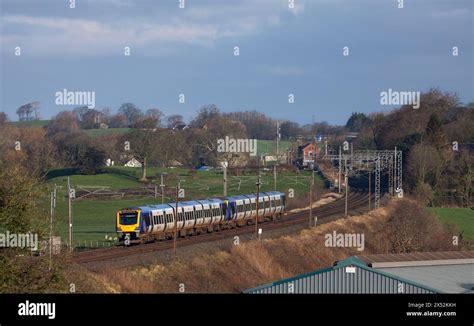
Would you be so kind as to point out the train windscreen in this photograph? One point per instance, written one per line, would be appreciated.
(128, 218)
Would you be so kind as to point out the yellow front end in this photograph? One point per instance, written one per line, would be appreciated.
(128, 224)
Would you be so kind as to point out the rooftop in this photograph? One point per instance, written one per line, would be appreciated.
(448, 271)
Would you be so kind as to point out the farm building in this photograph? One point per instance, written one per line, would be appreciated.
(306, 155)
(439, 272)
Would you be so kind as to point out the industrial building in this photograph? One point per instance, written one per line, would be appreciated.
(429, 272)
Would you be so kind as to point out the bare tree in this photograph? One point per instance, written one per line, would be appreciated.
(132, 113)
(174, 120)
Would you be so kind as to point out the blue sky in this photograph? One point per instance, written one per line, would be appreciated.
(190, 51)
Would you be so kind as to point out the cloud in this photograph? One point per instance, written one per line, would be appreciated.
(44, 35)
(148, 27)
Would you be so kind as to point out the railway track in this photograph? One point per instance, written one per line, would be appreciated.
(357, 202)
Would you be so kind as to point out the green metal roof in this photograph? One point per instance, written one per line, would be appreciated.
(351, 261)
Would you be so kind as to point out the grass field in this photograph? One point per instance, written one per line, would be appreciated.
(103, 132)
(94, 219)
(269, 146)
(33, 123)
(462, 217)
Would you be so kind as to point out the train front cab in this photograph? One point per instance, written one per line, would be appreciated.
(129, 224)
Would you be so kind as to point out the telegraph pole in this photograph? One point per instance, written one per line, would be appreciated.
(370, 185)
(53, 208)
(176, 217)
(311, 199)
(278, 140)
(258, 183)
(162, 186)
(224, 166)
(340, 170)
(346, 183)
(69, 212)
(275, 177)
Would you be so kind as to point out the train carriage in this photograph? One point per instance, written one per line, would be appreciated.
(142, 223)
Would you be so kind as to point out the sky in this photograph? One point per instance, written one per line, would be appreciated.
(191, 51)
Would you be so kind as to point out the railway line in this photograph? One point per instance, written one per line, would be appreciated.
(357, 203)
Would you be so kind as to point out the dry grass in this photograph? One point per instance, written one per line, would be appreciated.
(257, 262)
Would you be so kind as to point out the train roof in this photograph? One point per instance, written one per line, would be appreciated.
(147, 208)
(239, 197)
(273, 193)
(210, 201)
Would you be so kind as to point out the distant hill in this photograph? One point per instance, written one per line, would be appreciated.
(264, 146)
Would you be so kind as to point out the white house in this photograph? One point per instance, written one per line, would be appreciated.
(133, 163)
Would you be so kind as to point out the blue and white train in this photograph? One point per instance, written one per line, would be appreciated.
(152, 222)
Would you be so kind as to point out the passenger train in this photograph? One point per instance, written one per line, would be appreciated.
(155, 222)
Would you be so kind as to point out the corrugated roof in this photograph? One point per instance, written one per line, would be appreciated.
(446, 278)
(450, 272)
(351, 261)
(418, 259)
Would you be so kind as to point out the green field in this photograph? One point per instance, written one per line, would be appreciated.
(94, 133)
(463, 218)
(94, 219)
(33, 123)
(269, 146)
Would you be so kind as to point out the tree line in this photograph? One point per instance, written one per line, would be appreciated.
(436, 140)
